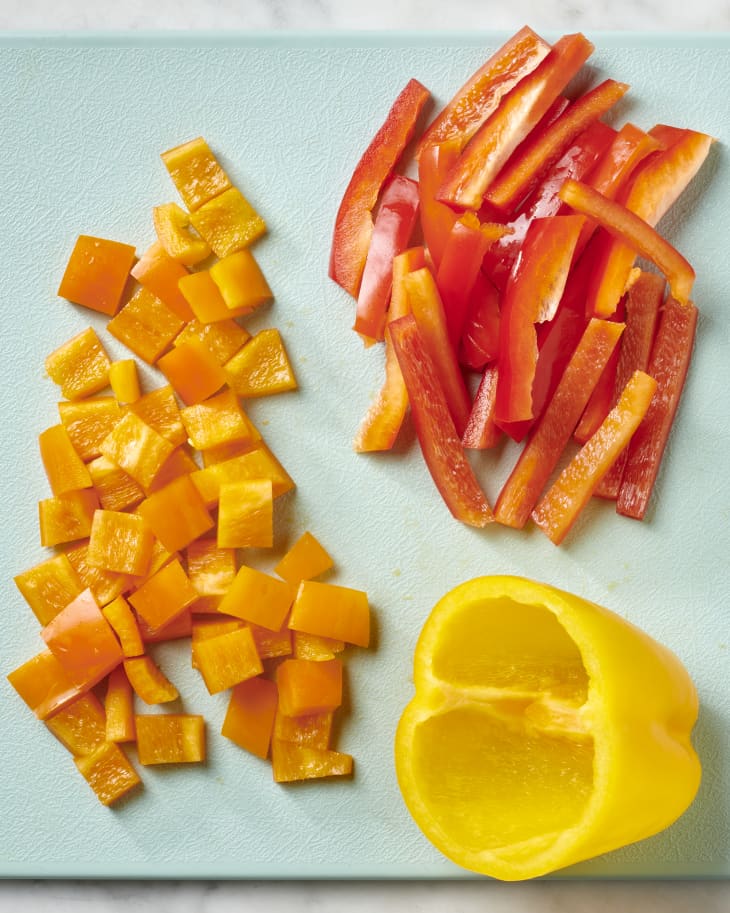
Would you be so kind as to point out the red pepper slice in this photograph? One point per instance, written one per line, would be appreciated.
(634, 231)
(354, 221)
(482, 432)
(523, 170)
(441, 446)
(437, 219)
(669, 361)
(556, 513)
(391, 234)
(484, 90)
(504, 130)
(480, 339)
(541, 453)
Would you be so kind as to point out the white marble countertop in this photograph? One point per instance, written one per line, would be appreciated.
(343, 897)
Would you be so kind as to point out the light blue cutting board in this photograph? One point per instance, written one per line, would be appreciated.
(83, 122)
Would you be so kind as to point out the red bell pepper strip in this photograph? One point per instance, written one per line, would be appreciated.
(669, 361)
(558, 510)
(437, 219)
(480, 339)
(441, 445)
(382, 423)
(533, 292)
(461, 262)
(535, 156)
(354, 221)
(482, 93)
(643, 301)
(482, 432)
(542, 451)
(391, 233)
(504, 130)
(654, 187)
(634, 231)
(425, 304)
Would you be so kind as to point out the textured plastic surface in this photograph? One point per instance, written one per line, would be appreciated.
(83, 123)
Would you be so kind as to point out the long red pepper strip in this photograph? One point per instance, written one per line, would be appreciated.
(542, 451)
(481, 432)
(437, 219)
(354, 221)
(441, 446)
(480, 338)
(634, 231)
(558, 510)
(668, 363)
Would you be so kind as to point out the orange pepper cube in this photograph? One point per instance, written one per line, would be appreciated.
(211, 569)
(88, 422)
(313, 729)
(312, 646)
(80, 366)
(148, 681)
(180, 626)
(290, 762)
(119, 708)
(258, 597)
(259, 462)
(137, 448)
(120, 542)
(170, 738)
(179, 463)
(205, 299)
(105, 585)
(116, 489)
(261, 367)
(160, 274)
(227, 659)
(124, 380)
(83, 641)
(81, 726)
(249, 719)
(211, 626)
(49, 586)
(222, 338)
(240, 281)
(246, 514)
(146, 325)
(172, 225)
(97, 273)
(228, 222)
(272, 643)
(124, 624)
(216, 421)
(307, 686)
(307, 558)
(176, 514)
(195, 172)
(159, 410)
(64, 468)
(109, 772)
(67, 517)
(163, 596)
(193, 371)
(332, 611)
(45, 685)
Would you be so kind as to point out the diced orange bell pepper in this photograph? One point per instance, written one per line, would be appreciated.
(195, 172)
(259, 598)
(88, 422)
(246, 514)
(241, 282)
(217, 420)
(257, 463)
(249, 720)
(205, 299)
(163, 596)
(313, 730)
(211, 569)
(124, 624)
(170, 738)
(227, 659)
(83, 641)
(193, 371)
(105, 585)
(67, 517)
(120, 542)
(64, 468)
(308, 686)
(49, 586)
(124, 380)
(332, 611)
(80, 366)
(159, 273)
(146, 325)
(313, 646)
(307, 558)
(261, 367)
(223, 338)
(81, 726)
(172, 225)
(180, 626)
(97, 273)
(291, 762)
(116, 489)
(207, 626)
(159, 410)
(271, 644)
(148, 681)
(137, 448)
(45, 684)
(176, 514)
(228, 222)
(119, 708)
(109, 772)
(180, 463)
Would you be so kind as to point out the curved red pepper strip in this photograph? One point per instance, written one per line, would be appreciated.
(481, 432)
(437, 219)
(480, 339)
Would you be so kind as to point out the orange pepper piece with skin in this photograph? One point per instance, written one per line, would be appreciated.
(240, 281)
(249, 720)
(176, 514)
(218, 420)
(309, 686)
(180, 626)
(258, 597)
(211, 569)
(205, 299)
(109, 772)
(193, 371)
(137, 448)
(67, 517)
(97, 273)
(328, 610)
(124, 624)
(271, 644)
(146, 325)
(64, 468)
(159, 410)
(313, 730)
(307, 558)
(290, 762)
(81, 726)
(48, 587)
(179, 463)
(314, 646)
(105, 585)
(170, 738)
(148, 681)
(80, 366)
(88, 422)
(45, 685)
(120, 542)
(261, 367)
(157, 272)
(119, 708)
(246, 514)
(223, 338)
(163, 596)
(172, 225)
(195, 172)
(227, 659)
(257, 463)
(116, 489)
(124, 380)
(228, 222)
